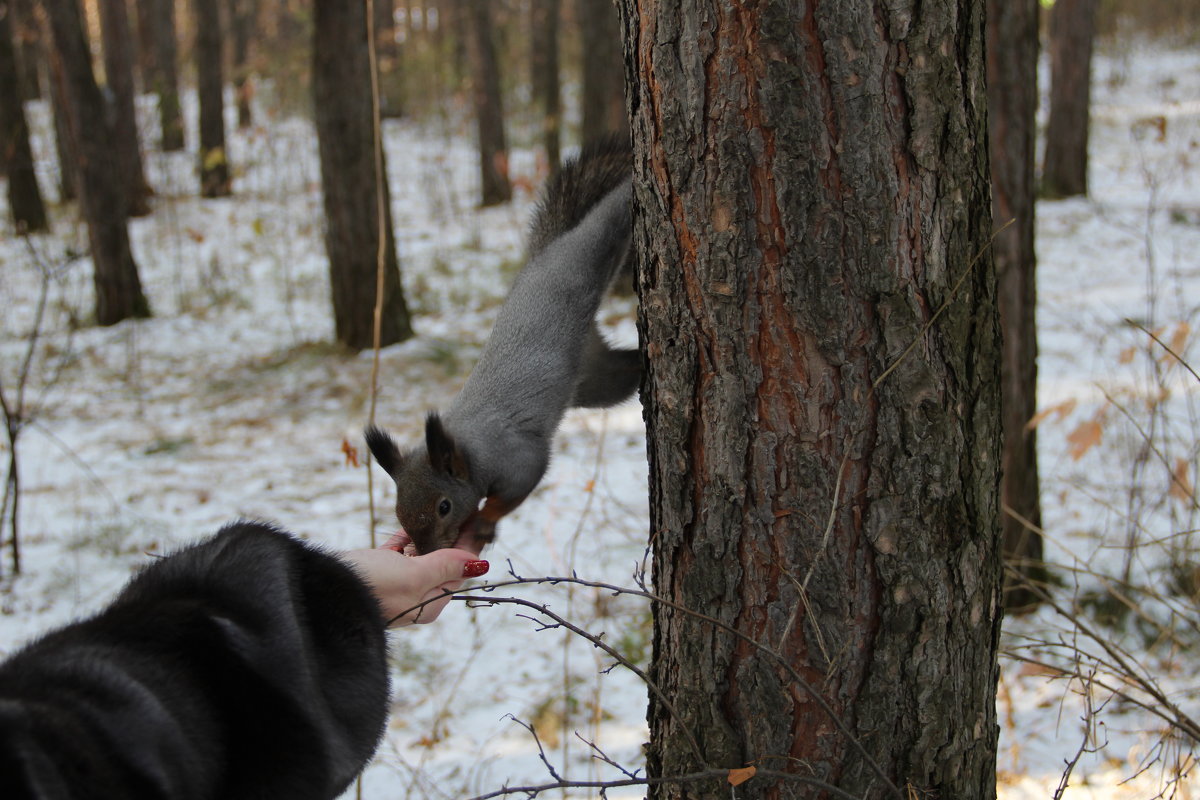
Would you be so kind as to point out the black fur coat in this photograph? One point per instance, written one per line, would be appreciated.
(247, 666)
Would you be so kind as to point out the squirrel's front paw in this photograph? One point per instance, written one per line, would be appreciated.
(475, 534)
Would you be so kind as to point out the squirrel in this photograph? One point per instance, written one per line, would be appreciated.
(490, 449)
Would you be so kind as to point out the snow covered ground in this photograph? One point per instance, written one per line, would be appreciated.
(231, 402)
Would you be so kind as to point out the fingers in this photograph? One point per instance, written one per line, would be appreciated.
(451, 565)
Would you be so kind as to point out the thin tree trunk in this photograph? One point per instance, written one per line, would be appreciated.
(603, 102)
(543, 67)
(819, 318)
(64, 148)
(146, 46)
(489, 110)
(24, 197)
(215, 180)
(118, 69)
(118, 288)
(355, 192)
(1012, 106)
(165, 81)
(1072, 28)
(27, 37)
(242, 18)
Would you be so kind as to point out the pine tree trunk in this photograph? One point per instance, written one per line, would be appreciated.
(1072, 28)
(603, 101)
(215, 180)
(818, 311)
(118, 288)
(489, 110)
(165, 81)
(543, 67)
(1012, 105)
(24, 197)
(118, 69)
(354, 191)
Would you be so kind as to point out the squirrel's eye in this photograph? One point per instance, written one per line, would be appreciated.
(444, 507)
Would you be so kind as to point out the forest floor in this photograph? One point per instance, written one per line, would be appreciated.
(230, 402)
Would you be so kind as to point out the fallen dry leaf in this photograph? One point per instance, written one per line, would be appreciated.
(1181, 483)
(351, 453)
(1084, 438)
(740, 775)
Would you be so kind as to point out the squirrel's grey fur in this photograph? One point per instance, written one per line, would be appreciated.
(544, 355)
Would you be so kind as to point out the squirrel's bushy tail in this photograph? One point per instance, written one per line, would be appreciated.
(607, 376)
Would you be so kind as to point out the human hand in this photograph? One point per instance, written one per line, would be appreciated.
(401, 582)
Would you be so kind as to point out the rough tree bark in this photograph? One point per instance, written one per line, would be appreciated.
(1072, 28)
(603, 91)
(24, 197)
(543, 69)
(118, 288)
(1012, 31)
(118, 71)
(215, 179)
(354, 190)
(494, 187)
(164, 80)
(818, 311)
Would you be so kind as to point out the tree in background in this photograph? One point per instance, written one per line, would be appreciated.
(27, 38)
(819, 318)
(1072, 28)
(1012, 31)
(24, 197)
(68, 180)
(215, 179)
(354, 181)
(163, 79)
(118, 71)
(495, 187)
(242, 17)
(387, 59)
(543, 71)
(118, 288)
(603, 101)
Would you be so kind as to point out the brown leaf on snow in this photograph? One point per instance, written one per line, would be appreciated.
(1181, 483)
(351, 453)
(1177, 343)
(1085, 437)
(1061, 410)
(740, 775)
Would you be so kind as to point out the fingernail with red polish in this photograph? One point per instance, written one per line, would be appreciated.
(473, 569)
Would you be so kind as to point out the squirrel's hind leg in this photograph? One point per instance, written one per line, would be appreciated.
(606, 376)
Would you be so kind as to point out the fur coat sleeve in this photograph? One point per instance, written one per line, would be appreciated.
(247, 666)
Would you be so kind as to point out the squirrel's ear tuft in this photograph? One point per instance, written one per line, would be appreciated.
(383, 447)
(445, 455)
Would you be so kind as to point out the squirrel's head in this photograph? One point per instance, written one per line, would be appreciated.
(434, 495)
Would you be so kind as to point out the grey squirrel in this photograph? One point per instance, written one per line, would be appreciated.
(490, 449)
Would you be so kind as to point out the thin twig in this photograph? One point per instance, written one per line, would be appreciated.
(783, 663)
(534, 790)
